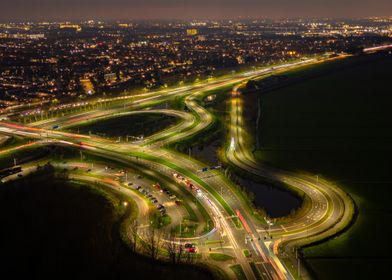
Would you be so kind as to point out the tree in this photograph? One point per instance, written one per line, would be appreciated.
(133, 235)
(190, 258)
(63, 174)
(154, 242)
(174, 250)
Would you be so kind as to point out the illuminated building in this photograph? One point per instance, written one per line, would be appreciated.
(191, 32)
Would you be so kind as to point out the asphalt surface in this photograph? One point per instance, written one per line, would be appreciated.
(330, 207)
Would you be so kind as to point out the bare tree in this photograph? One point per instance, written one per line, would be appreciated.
(190, 258)
(174, 250)
(133, 235)
(171, 248)
(154, 242)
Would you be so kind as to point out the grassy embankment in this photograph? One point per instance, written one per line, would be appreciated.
(238, 271)
(338, 125)
(133, 125)
(220, 257)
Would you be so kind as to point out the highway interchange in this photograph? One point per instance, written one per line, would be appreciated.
(235, 227)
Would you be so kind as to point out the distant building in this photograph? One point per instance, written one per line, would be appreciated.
(88, 87)
(111, 77)
(22, 36)
(71, 27)
(240, 59)
(191, 32)
(201, 38)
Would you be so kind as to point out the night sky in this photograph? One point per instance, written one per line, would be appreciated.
(190, 9)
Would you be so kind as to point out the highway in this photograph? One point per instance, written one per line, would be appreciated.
(330, 207)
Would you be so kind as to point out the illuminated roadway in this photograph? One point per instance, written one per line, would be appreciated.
(328, 204)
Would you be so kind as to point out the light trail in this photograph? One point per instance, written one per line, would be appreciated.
(236, 153)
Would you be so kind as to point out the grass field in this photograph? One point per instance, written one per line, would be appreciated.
(239, 272)
(134, 125)
(256, 271)
(338, 125)
(246, 253)
(220, 257)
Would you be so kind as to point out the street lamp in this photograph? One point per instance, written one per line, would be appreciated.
(269, 225)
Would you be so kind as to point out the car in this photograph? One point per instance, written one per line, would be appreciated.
(178, 202)
(130, 184)
(88, 170)
(172, 196)
(192, 250)
(155, 201)
(189, 245)
(216, 167)
(204, 169)
(20, 175)
(138, 187)
(159, 206)
(179, 177)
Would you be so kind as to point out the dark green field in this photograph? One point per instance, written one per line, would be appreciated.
(339, 125)
(54, 229)
(134, 125)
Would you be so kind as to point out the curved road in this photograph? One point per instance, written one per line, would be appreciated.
(330, 207)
